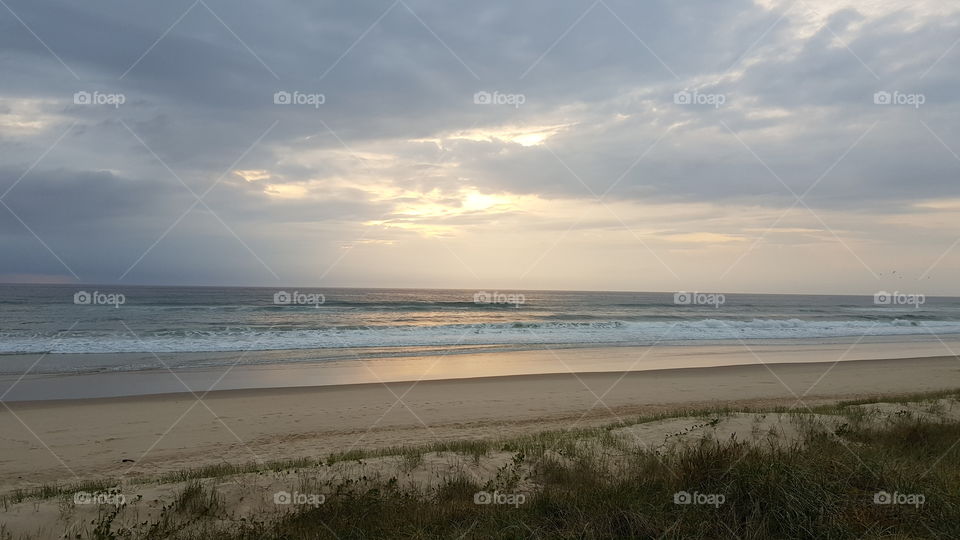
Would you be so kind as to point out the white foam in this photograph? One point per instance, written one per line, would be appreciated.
(613, 332)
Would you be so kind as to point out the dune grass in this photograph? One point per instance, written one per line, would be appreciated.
(827, 486)
(585, 483)
(47, 491)
(823, 489)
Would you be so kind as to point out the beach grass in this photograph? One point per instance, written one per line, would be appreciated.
(832, 483)
(867, 474)
(47, 491)
(822, 490)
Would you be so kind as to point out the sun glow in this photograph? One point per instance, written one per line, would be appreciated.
(27, 116)
(437, 213)
(252, 175)
(286, 191)
(523, 135)
(939, 204)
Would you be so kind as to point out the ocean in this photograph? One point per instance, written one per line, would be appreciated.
(68, 320)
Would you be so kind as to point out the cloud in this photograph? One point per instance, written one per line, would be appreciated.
(781, 105)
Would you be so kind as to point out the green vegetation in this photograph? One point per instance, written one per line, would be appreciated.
(824, 488)
(48, 491)
(893, 472)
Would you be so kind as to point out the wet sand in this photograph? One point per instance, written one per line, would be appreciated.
(62, 440)
(200, 372)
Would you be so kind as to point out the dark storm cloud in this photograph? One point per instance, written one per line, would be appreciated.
(100, 224)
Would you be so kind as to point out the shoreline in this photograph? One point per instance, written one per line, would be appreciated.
(544, 377)
(58, 440)
(401, 368)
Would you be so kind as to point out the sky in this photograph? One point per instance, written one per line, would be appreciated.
(806, 146)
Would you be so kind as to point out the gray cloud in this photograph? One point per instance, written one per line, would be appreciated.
(798, 94)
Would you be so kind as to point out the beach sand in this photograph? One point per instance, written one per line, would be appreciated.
(66, 440)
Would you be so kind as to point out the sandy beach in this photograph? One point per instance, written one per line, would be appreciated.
(27, 378)
(63, 440)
